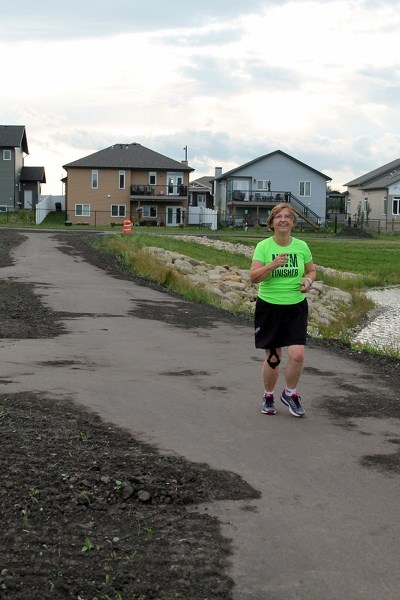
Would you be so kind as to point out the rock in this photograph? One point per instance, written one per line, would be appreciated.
(127, 491)
(144, 496)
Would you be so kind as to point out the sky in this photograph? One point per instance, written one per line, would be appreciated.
(231, 80)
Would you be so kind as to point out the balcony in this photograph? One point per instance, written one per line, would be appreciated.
(246, 204)
(263, 196)
(158, 191)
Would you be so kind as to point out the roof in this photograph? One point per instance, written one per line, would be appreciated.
(13, 136)
(33, 174)
(229, 173)
(202, 182)
(378, 175)
(383, 182)
(128, 156)
(336, 194)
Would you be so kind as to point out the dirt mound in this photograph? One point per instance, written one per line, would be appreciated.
(354, 232)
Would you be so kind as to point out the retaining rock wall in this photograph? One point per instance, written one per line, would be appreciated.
(235, 290)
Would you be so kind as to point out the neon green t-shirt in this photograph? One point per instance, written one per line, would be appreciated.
(283, 285)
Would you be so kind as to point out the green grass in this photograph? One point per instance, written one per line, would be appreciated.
(376, 261)
(132, 250)
(208, 254)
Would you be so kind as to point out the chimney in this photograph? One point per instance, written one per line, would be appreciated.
(217, 189)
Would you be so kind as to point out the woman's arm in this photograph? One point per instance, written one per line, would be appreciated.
(309, 277)
(259, 271)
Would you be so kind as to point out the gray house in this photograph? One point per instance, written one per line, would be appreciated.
(19, 185)
(247, 193)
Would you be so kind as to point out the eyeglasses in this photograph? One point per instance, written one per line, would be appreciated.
(283, 217)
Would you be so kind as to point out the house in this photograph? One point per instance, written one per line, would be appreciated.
(31, 179)
(247, 193)
(200, 192)
(20, 186)
(336, 205)
(376, 194)
(127, 181)
(201, 203)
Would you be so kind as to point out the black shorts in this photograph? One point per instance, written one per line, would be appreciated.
(280, 325)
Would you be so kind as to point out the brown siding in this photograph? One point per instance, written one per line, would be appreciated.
(79, 191)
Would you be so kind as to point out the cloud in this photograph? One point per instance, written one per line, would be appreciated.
(49, 19)
(232, 80)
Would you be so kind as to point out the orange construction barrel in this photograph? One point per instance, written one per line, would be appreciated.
(127, 226)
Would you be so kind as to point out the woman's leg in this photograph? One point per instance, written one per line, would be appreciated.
(294, 365)
(270, 375)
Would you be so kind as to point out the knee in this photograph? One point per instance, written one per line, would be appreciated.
(296, 354)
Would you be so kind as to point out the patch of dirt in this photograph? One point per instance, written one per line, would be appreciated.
(90, 513)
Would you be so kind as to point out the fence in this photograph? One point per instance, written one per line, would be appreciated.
(389, 225)
(47, 205)
(383, 225)
(203, 217)
(196, 216)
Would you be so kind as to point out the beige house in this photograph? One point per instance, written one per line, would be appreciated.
(127, 181)
(376, 193)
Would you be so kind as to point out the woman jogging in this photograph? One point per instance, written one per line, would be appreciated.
(283, 267)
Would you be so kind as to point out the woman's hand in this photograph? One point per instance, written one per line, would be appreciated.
(306, 284)
(279, 260)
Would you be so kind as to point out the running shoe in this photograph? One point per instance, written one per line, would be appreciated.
(268, 407)
(293, 403)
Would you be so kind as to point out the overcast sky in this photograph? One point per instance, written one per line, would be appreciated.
(230, 79)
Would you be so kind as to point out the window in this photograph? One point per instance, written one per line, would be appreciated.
(82, 210)
(118, 210)
(95, 179)
(3, 208)
(152, 178)
(121, 180)
(149, 211)
(396, 205)
(263, 184)
(6, 154)
(305, 188)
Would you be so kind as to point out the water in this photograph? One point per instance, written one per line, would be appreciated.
(383, 331)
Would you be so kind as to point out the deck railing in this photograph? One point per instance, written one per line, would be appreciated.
(269, 198)
(172, 189)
